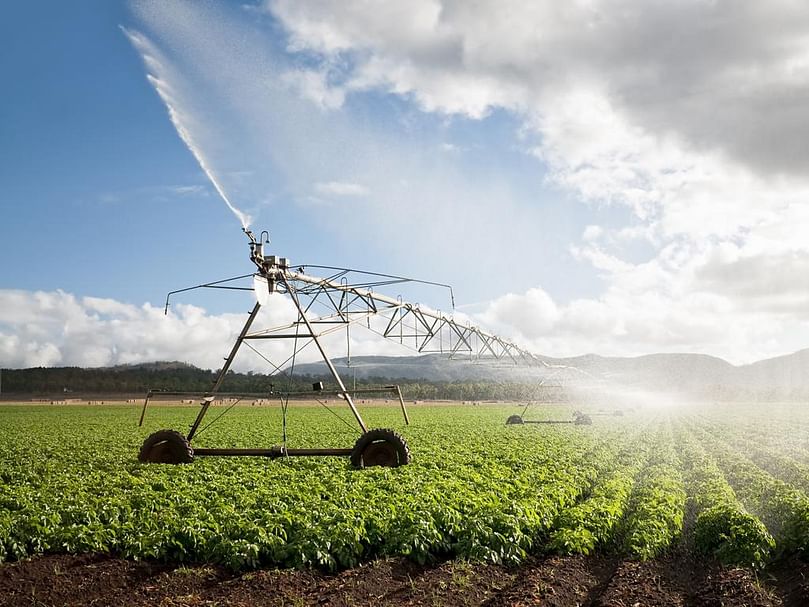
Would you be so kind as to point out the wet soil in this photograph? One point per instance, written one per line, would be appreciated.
(552, 581)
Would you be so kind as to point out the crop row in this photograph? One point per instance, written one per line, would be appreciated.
(782, 508)
(774, 458)
(592, 523)
(657, 507)
(782, 428)
(722, 527)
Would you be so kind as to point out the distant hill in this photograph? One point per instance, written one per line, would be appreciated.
(427, 367)
(435, 376)
(689, 373)
(791, 370)
(672, 372)
(697, 372)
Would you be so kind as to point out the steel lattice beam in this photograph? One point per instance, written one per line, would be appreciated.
(425, 330)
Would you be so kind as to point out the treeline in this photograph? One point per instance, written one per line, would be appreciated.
(114, 380)
(138, 379)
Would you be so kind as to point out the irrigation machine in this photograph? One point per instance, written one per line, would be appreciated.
(561, 378)
(323, 306)
(579, 419)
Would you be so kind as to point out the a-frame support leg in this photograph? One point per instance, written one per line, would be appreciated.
(209, 398)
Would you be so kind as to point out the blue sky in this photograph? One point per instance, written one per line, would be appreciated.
(89, 163)
(574, 185)
(95, 171)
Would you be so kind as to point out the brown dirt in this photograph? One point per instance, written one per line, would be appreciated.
(553, 581)
(790, 578)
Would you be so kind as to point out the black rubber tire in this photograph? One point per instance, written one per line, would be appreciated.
(380, 447)
(583, 420)
(514, 420)
(166, 447)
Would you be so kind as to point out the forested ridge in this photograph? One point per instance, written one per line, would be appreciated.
(138, 379)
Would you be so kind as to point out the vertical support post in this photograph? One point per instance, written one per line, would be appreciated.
(401, 402)
(348, 346)
(209, 398)
(145, 404)
(326, 359)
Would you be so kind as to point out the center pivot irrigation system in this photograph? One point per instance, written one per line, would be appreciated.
(579, 418)
(324, 306)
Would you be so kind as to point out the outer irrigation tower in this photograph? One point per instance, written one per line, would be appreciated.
(345, 304)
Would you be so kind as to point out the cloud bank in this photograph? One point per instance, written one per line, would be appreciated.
(60, 329)
(691, 115)
(55, 328)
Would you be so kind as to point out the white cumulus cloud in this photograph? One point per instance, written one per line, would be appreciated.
(55, 328)
(692, 115)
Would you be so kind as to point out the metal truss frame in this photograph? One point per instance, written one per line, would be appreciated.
(327, 305)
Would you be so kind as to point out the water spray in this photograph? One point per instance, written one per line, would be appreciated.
(151, 60)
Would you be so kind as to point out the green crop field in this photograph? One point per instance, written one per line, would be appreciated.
(632, 485)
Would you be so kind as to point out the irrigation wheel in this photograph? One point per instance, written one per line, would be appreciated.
(166, 447)
(514, 419)
(380, 447)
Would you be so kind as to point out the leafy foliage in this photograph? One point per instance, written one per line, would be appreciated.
(657, 505)
(592, 522)
(477, 489)
(722, 526)
(782, 508)
(70, 482)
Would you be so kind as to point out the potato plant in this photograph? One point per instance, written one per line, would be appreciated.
(476, 488)
(722, 526)
(657, 504)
